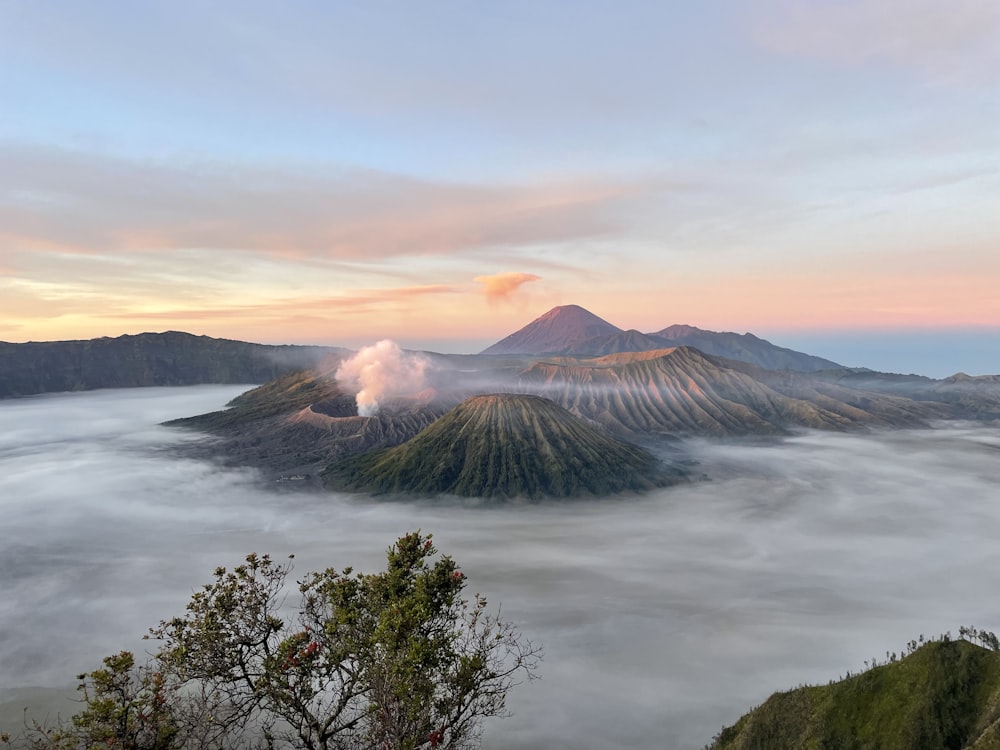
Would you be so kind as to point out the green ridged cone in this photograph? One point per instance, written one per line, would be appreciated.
(505, 446)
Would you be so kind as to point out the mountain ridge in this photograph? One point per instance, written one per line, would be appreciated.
(683, 391)
(574, 331)
(146, 359)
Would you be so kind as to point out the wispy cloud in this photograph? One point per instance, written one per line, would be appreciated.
(358, 300)
(88, 203)
(953, 41)
(499, 287)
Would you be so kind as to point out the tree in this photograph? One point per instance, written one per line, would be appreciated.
(127, 707)
(396, 660)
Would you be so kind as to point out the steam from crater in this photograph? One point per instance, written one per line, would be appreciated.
(382, 371)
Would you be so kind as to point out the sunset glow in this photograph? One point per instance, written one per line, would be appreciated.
(441, 173)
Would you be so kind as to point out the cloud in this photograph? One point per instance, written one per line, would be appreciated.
(382, 371)
(361, 299)
(500, 286)
(952, 41)
(87, 203)
(798, 561)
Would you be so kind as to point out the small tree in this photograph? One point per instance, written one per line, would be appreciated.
(396, 660)
(126, 707)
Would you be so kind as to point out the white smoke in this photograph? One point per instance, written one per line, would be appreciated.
(382, 371)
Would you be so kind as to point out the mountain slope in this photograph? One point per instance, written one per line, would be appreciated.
(147, 359)
(683, 391)
(555, 330)
(967, 397)
(505, 446)
(300, 422)
(744, 347)
(571, 330)
(945, 696)
(614, 343)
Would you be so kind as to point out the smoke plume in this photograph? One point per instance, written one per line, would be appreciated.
(500, 286)
(382, 371)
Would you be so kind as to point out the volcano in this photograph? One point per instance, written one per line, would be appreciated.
(557, 329)
(682, 391)
(505, 446)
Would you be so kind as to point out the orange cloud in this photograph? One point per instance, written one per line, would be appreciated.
(500, 286)
(361, 299)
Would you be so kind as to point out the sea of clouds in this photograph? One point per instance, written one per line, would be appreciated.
(662, 617)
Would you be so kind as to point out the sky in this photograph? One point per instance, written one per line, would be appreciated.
(825, 174)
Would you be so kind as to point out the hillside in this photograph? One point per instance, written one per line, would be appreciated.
(300, 422)
(967, 397)
(146, 359)
(683, 391)
(943, 696)
(504, 446)
(744, 347)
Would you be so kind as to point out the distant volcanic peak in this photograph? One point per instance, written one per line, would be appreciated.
(679, 329)
(506, 445)
(554, 331)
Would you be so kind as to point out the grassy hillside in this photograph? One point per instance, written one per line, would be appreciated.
(943, 696)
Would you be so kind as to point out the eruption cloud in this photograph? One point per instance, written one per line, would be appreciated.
(500, 286)
(381, 371)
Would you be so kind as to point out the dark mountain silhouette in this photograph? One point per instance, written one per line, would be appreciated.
(505, 446)
(147, 359)
(557, 329)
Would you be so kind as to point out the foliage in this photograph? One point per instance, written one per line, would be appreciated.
(396, 660)
(943, 694)
(127, 707)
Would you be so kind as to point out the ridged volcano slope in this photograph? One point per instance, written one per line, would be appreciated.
(504, 446)
(302, 421)
(682, 391)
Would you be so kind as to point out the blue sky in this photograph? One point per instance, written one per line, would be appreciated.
(341, 172)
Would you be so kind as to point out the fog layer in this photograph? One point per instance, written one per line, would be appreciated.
(662, 616)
